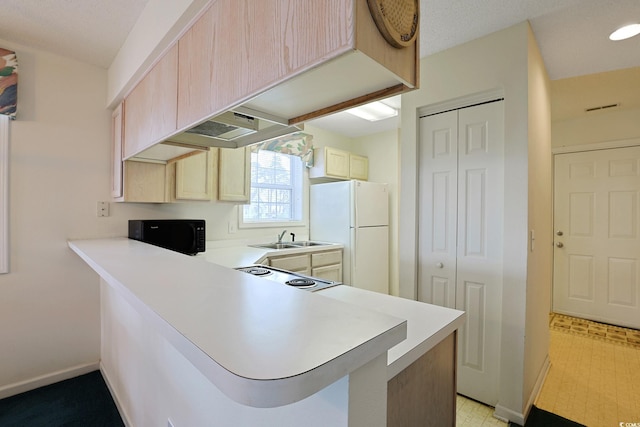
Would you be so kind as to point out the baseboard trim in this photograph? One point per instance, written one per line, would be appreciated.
(48, 379)
(519, 418)
(123, 413)
(503, 413)
(542, 375)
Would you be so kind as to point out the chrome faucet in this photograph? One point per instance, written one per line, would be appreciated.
(280, 236)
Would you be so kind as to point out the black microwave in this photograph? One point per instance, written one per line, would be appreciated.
(186, 236)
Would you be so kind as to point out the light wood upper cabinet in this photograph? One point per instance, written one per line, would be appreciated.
(336, 163)
(237, 49)
(358, 167)
(234, 175)
(116, 152)
(151, 108)
(144, 182)
(133, 181)
(333, 163)
(194, 176)
(266, 55)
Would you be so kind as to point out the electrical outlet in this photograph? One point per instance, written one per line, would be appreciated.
(103, 209)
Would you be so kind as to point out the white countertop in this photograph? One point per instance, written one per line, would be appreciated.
(427, 324)
(263, 344)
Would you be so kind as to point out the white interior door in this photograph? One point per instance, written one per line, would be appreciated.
(437, 209)
(460, 227)
(597, 235)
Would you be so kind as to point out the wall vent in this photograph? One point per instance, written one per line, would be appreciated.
(602, 107)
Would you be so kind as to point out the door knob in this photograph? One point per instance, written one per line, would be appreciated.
(439, 265)
(559, 244)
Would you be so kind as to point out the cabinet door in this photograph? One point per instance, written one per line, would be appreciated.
(328, 272)
(336, 163)
(234, 169)
(144, 182)
(150, 109)
(194, 177)
(236, 50)
(358, 167)
(116, 153)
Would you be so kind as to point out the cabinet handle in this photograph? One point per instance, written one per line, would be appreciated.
(439, 265)
(559, 244)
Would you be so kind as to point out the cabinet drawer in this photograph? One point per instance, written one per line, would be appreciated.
(291, 263)
(319, 259)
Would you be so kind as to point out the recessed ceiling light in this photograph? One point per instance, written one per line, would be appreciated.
(625, 32)
(373, 111)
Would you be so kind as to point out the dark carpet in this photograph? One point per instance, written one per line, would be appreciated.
(541, 418)
(81, 401)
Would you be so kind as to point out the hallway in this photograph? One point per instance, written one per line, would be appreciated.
(594, 378)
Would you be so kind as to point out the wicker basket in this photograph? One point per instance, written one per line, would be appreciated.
(397, 20)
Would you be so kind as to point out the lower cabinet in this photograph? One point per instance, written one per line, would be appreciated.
(325, 265)
(299, 263)
(424, 394)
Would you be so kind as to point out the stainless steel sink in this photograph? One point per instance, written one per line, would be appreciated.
(308, 243)
(276, 246)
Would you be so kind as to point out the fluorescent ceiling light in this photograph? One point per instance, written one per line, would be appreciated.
(373, 111)
(625, 32)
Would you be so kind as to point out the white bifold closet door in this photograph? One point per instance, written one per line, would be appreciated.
(461, 188)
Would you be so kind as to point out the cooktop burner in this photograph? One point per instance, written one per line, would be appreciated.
(301, 283)
(289, 278)
(256, 271)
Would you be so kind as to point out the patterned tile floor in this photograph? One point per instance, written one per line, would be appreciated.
(595, 330)
(594, 378)
(470, 413)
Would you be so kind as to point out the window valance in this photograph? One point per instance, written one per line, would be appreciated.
(297, 144)
(8, 83)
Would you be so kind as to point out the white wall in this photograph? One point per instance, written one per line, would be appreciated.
(540, 258)
(59, 169)
(497, 61)
(596, 128)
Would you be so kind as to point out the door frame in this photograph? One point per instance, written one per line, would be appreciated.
(605, 145)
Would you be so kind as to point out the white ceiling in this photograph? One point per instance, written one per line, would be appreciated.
(572, 34)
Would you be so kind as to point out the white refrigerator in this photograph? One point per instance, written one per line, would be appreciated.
(355, 214)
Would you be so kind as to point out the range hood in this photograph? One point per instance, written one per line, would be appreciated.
(239, 127)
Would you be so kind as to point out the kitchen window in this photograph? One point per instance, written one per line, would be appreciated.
(276, 190)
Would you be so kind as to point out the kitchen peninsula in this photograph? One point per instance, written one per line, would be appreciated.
(190, 342)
